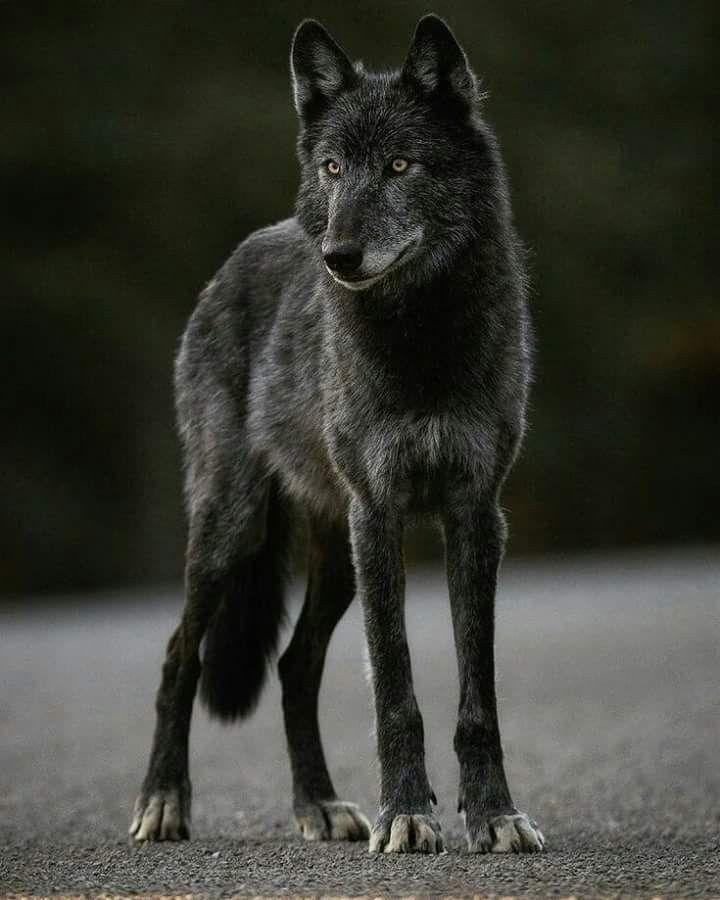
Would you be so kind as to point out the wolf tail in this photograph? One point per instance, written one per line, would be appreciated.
(243, 633)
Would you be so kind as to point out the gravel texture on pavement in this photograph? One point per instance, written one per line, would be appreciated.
(609, 691)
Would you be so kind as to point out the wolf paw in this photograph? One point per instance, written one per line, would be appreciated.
(407, 834)
(332, 820)
(508, 833)
(162, 815)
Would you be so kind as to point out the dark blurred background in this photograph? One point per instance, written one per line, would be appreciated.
(141, 142)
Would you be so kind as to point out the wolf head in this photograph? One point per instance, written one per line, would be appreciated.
(395, 166)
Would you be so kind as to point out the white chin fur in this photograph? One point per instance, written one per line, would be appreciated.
(356, 285)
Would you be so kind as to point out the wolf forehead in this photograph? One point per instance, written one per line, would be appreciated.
(379, 112)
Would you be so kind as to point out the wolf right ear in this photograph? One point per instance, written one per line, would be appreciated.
(320, 68)
(437, 64)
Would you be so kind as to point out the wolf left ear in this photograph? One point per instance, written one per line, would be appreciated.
(320, 68)
(437, 64)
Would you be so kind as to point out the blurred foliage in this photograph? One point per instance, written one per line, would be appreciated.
(141, 142)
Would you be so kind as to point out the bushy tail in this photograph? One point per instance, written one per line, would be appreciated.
(242, 635)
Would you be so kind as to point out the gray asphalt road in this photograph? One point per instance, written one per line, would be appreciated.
(609, 677)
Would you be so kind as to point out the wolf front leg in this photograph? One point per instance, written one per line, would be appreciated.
(405, 822)
(475, 540)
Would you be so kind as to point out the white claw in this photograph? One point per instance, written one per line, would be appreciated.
(332, 820)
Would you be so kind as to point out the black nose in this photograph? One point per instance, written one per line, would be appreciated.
(345, 259)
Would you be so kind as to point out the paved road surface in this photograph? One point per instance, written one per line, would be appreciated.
(609, 679)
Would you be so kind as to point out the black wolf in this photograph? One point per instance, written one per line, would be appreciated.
(361, 363)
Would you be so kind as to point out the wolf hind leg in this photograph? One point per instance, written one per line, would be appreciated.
(235, 558)
(319, 815)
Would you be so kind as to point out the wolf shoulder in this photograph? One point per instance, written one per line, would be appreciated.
(238, 306)
(261, 268)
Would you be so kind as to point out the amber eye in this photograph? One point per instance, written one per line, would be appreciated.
(399, 165)
(333, 167)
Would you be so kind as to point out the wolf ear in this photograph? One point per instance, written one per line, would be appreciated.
(437, 64)
(320, 69)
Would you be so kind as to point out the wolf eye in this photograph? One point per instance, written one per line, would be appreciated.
(399, 165)
(333, 167)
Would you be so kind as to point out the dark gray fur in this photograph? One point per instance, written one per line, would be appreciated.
(299, 395)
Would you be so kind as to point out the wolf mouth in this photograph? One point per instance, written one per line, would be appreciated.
(360, 283)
